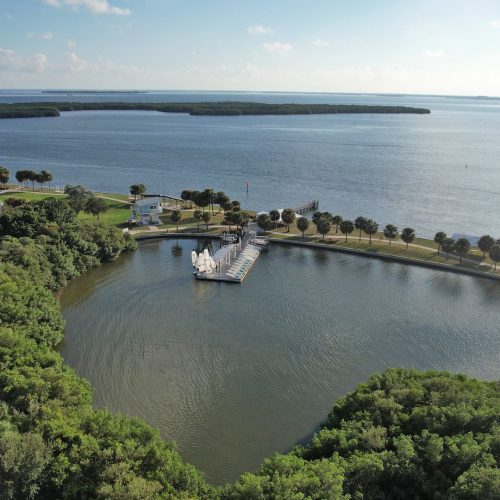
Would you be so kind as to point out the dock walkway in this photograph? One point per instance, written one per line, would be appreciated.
(233, 261)
(310, 206)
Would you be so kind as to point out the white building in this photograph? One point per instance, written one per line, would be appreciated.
(146, 212)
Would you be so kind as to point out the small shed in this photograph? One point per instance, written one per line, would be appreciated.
(146, 212)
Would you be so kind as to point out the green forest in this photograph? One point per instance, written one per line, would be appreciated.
(402, 434)
(228, 108)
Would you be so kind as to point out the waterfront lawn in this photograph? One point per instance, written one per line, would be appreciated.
(116, 215)
(28, 196)
(383, 247)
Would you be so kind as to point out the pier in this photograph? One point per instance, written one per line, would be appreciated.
(233, 261)
(310, 206)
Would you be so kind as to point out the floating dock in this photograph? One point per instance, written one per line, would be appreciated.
(234, 260)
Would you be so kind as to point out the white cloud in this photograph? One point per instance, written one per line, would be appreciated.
(259, 30)
(70, 44)
(12, 61)
(282, 49)
(251, 71)
(95, 6)
(321, 43)
(433, 54)
(495, 23)
(77, 64)
(44, 36)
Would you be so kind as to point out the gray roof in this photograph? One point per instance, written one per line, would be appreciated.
(147, 201)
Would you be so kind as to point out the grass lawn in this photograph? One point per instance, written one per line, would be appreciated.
(384, 248)
(116, 215)
(28, 196)
(123, 197)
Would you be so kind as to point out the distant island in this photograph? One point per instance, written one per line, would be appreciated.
(97, 92)
(227, 108)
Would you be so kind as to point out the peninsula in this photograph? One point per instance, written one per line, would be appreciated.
(227, 108)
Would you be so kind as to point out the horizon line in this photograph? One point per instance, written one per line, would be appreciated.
(205, 91)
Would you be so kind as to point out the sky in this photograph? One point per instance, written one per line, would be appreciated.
(391, 46)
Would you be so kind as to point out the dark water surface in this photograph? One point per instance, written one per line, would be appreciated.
(233, 373)
(432, 172)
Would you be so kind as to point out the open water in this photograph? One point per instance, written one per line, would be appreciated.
(432, 172)
(233, 373)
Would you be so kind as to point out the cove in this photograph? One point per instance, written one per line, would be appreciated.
(235, 373)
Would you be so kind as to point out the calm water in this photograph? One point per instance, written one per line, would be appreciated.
(233, 373)
(402, 169)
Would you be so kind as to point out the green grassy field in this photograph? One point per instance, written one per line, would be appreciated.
(116, 215)
(28, 196)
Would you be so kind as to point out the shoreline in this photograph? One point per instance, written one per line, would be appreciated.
(189, 232)
(351, 251)
(217, 108)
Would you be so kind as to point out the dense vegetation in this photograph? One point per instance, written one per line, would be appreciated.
(52, 443)
(403, 434)
(229, 108)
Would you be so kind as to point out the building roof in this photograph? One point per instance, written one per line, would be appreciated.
(147, 201)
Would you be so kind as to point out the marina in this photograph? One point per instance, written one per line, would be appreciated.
(233, 261)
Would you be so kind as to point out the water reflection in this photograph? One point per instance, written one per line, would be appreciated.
(250, 369)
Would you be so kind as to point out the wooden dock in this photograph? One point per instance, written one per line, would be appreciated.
(310, 206)
(234, 260)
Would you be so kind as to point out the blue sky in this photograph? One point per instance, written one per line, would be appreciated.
(425, 46)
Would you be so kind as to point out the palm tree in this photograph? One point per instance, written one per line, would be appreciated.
(198, 215)
(408, 235)
(346, 227)
(439, 238)
(324, 226)
(360, 223)
(20, 176)
(228, 218)
(448, 245)
(206, 218)
(336, 220)
(371, 228)
(176, 217)
(187, 195)
(462, 247)
(202, 199)
(221, 198)
(275, 216)
(4, 175)
(494, 254)
(302, 224)
(288, 216)
(46, 176)
(391, 232)
(227, 207)
(485, 243)
(264, 222)
(137, 190)
(316, 217)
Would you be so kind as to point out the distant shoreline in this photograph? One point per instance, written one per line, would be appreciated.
(227, 108)
(96, 92)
